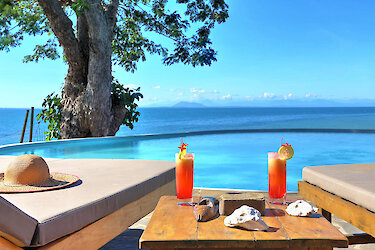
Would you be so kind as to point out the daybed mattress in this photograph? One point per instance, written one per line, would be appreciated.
(354, 182)
(106, 185)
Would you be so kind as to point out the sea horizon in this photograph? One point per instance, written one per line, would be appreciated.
(165, 120)
(218, 106)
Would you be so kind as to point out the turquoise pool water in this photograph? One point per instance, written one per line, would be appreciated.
(237, 160)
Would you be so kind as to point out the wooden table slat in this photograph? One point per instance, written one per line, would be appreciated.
(278, 238)
(214, 234)
(313, 230)
(170, 226)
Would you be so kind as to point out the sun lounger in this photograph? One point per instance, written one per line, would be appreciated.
(112, 195)
(348, 191)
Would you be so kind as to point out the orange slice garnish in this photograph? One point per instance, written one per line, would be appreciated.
(286, 152)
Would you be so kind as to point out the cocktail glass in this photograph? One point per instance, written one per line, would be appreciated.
(276, 178)
(184, 177)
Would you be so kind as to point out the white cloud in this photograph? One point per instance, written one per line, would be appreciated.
(180, 94)
(199, 91)
(226, 97)
(202, 91)
(310, 95)
(268, 95)
(288, 96)
(155, 87)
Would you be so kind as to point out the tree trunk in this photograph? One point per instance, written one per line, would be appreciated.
(87, 110)
(86, 99)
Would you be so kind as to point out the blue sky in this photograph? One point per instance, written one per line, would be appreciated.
(268, 52)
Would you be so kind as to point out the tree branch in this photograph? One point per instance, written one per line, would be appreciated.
(154, 29)
(61, 26)
(95, 15)
(112, 12)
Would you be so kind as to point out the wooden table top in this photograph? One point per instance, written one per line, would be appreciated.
(173, 226)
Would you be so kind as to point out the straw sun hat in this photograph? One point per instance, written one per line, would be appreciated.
(30, 173)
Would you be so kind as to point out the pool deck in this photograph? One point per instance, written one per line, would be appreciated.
(129, 238)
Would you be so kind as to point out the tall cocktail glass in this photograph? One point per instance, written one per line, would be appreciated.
(276, 178)
(184, 177)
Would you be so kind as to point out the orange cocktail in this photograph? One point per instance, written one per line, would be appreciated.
(184, 176)
(276, 176)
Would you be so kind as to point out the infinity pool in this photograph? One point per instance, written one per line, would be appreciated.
(237, 160)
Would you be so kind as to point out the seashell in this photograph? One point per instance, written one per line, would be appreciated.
(206, 209)
(246, 217)
(300, 208)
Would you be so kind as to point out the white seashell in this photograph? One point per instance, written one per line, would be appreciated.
(246, 217)
(300, 208)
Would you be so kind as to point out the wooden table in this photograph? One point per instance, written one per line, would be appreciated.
(174, 227)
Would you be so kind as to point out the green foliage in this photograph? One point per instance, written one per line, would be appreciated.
(121, 96)
(129, 45)
(48, 50)
(136, 19)
(79, 6)
(126, 97)
(18, 18)
(140, 17)
(51, 114)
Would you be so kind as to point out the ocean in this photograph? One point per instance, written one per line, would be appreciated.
(176, 120)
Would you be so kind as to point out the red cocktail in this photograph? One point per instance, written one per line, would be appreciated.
(276, 176)
(184, 174)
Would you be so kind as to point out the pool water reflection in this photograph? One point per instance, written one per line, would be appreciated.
(221, 160)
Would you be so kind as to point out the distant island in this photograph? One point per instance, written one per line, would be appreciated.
(188, 105)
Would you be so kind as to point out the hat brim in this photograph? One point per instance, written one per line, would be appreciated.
(58, 180)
